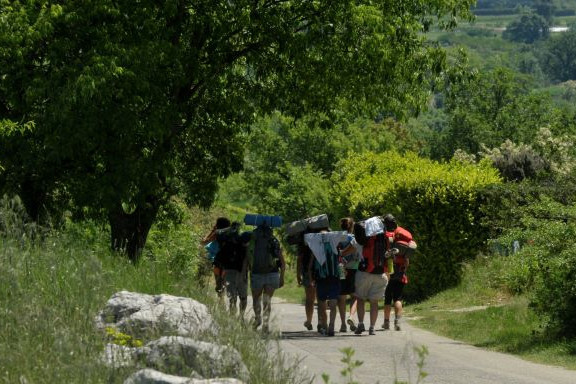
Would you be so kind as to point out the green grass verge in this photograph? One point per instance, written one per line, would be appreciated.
(51, 289)
(506, 325)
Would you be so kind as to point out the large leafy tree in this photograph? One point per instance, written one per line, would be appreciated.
(558, 56)
(491, 108)
(527, 29)
(134, 101)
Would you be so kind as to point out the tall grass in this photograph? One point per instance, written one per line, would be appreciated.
(53, 283)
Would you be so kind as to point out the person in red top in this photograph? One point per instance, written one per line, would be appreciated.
(400, 239)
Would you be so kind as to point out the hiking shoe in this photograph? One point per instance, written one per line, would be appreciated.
(397, 326)
(386, 324)
(371, 331)
(330, 333)
(308, 325)
(359, 329)
(351, 325)
(256, 323)
(343, 328)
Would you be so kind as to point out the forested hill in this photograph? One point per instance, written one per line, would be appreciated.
(501, 7)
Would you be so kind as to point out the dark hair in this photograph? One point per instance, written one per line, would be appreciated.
(390, 222)
(222, 222)
(347, 224)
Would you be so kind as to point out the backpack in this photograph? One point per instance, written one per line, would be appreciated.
(360, 233)
(330, 267)
(295, 239)
(374, 253)
(264, 251)
(232, 251)
(403, 241)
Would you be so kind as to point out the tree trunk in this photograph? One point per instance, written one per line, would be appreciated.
(128, 231)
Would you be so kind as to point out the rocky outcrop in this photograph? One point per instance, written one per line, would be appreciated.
(139, 315)
(150, 376)
(175, 326)
(185, 356)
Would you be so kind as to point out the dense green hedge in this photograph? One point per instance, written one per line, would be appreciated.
(438, 203)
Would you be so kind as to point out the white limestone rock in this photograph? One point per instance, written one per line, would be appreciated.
(186, 356)
(150, 376)
(139, 314)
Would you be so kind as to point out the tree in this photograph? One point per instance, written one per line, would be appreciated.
(559, 56)
(491, 108)
(527, 29)
(545, 8)
(134, 101)
(289, 162)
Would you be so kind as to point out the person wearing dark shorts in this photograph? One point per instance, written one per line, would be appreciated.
(350, 259)
(327, 292)
(326, 278)
(402, 242)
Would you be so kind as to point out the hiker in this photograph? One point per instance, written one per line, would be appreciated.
(304, 255)
(400, 239)
(212, 247)
(232, 258)
(267, 266)
(348, 254)
(325, 273)
(373, 272)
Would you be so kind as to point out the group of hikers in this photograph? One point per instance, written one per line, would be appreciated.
(363, 262)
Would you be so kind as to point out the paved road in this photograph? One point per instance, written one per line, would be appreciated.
(390, 354)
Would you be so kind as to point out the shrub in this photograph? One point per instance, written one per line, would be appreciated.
(545, 266)
(438, 203)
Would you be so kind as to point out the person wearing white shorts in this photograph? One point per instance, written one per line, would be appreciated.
(369, 287)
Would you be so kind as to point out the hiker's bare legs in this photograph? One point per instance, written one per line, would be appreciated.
(243, 304)
(333, 308)
(387, 310)
(257, 306)
(361, 310)
(353, 306)
(322, 316)
(398, 308)
(373, 312)
(267, 303)
(342, 309)
(309, 303)
(232, 304)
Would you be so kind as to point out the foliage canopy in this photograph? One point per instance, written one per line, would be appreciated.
(133, 102)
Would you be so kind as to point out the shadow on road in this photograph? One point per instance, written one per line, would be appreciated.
(294, 335)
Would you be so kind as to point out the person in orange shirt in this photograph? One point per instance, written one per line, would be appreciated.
(401, 240)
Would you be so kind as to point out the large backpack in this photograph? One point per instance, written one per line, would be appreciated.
(374, 254)
(403, 241)
(330, 267)
(362, 233)
(264, 251)
(232, 251)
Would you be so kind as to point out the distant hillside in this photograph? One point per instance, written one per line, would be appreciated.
(509, 7)
(559, 4)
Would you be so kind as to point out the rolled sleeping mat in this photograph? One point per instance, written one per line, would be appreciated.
(405, 249)
(315, 222)
(256, 220)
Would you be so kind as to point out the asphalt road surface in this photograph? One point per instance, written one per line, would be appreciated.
(390, 355)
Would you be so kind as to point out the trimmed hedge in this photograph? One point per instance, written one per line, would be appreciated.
(438, 202)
